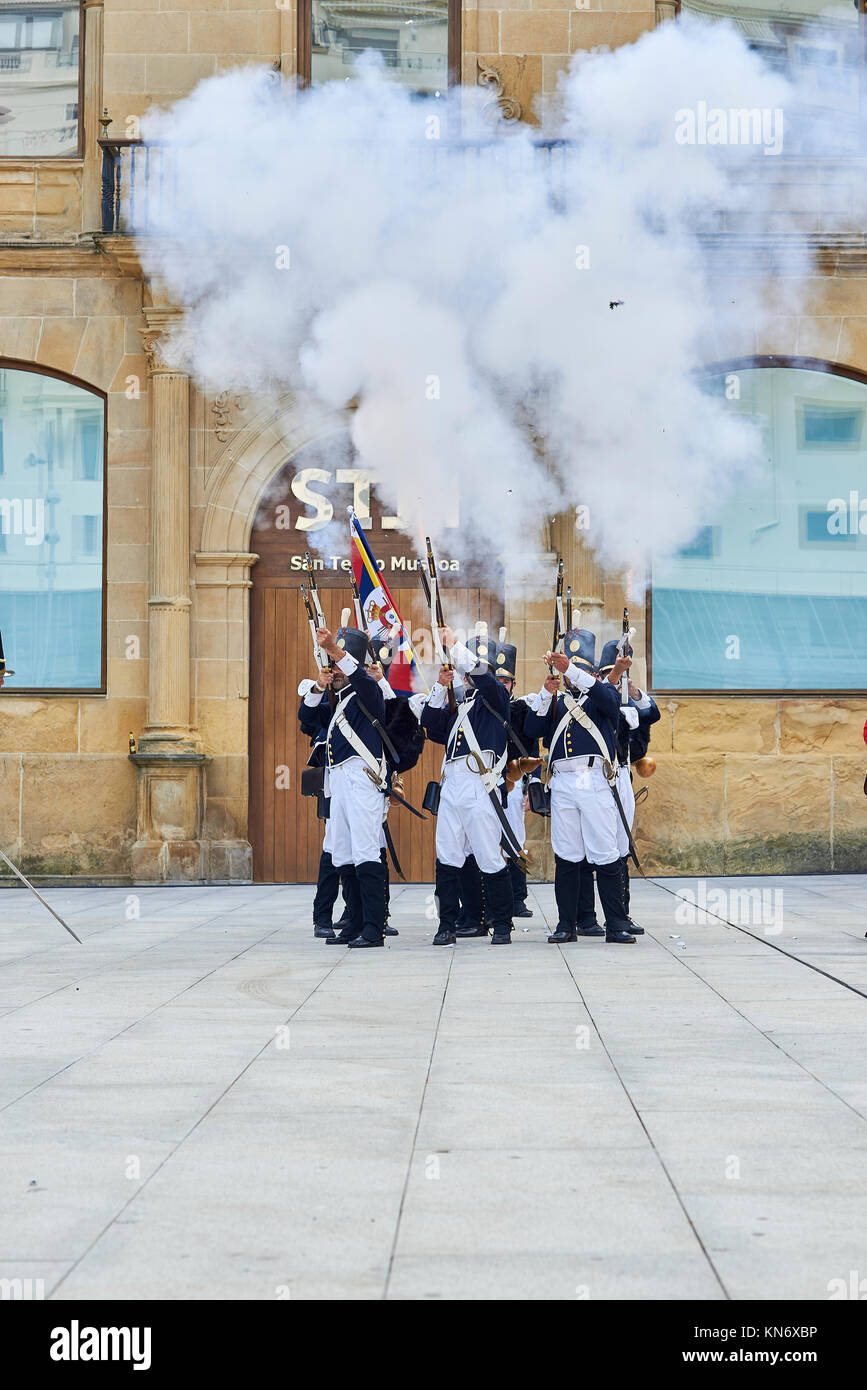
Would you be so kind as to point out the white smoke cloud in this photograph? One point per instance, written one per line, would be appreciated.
(458, 292)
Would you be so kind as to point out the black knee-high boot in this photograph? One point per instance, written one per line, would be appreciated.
(587, 924)
(371, 890)
(351, 892)
(566, 884)
(327, 888)
(518, 880)
(383, 859)
(498, 906)
(448, 900)
(609, 881)
(472, 900)
(636, 930)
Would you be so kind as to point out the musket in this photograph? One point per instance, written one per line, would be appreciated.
(323, 662)
(437, 620)
(626, 637)
(559, 628)
(568, 607)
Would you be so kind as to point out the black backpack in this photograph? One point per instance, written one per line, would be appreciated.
(405, 733)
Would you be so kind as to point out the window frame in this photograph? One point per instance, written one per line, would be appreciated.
(744, 364)
(78, 156)
(304, 40)
(13, 364)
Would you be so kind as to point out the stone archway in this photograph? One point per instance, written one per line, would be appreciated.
(221, 654)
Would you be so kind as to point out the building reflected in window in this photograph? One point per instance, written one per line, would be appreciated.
(771, 594)
(411, 39)
(39, 78)
(51, 528)
(816, 44)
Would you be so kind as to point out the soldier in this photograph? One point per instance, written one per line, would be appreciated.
(469, 822)
(522, 760)
(354, 748)
(635, 720)
(578, 727)
(328, 877)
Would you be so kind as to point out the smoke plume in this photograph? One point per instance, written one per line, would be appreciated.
(455, 283)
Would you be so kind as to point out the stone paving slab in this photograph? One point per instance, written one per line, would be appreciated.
(204, 1102)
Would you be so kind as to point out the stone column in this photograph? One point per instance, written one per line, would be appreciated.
(91, 179)
(171, 795)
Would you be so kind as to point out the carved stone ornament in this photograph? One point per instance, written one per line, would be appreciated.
(501, 108)
(221, 409)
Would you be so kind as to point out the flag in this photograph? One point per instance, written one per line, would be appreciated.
(381, 617)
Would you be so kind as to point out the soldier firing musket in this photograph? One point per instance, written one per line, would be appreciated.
(430, 585)
(471, 820)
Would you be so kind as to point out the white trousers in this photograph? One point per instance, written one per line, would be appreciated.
(627, 797)
(583, 814)
(467, 822)
(355, 823)
(515, 812)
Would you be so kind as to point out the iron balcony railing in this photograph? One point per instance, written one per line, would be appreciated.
(136, 176)
(139, 178)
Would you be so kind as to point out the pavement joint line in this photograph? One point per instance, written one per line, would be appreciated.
(412, 1147)
(125, 959)
(170, 1155)
(640, 1119)
(119, 1034)
(761, 1031)
(762, 941)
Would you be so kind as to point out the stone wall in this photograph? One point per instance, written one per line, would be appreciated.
(743, 785)
(67, 788)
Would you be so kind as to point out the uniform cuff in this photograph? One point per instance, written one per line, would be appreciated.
(463, 658)
(347, 664)
(576, 676)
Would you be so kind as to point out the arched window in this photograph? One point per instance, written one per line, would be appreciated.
(52, 508)
(41, 43)
(419, 41)
(772, 593)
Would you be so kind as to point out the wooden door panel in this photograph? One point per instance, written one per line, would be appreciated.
(284, 830)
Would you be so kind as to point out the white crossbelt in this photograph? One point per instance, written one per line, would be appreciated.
(575, 710)
(490, 776)
(377, 767)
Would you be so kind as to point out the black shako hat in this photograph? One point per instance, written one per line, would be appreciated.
(484, 649)
(609, 655)
(579, 645)
(354, 643)
(506, 660)
(4, 669)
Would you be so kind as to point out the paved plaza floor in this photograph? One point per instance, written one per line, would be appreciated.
(204, 1102)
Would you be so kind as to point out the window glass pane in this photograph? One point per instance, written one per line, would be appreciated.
(39, 78)
(814, 43)
(412, 39)
(772, 595)
(51, 520)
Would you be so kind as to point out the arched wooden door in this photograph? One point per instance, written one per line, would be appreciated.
(283, 827)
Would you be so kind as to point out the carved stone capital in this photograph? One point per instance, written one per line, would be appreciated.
(501, 109)
(161, 324)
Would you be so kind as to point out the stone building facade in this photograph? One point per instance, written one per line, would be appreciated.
(744, 783)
